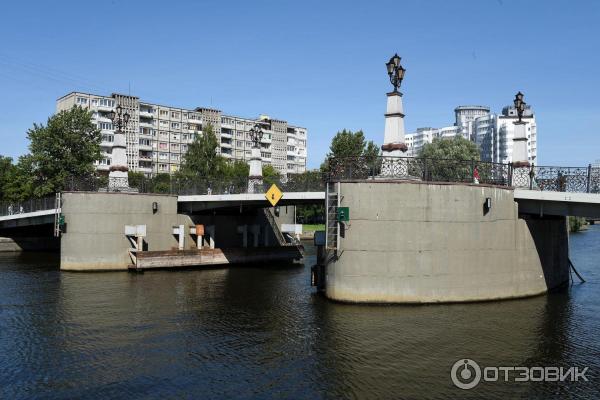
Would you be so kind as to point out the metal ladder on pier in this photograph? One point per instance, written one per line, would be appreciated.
(332, 202)
(57, 221)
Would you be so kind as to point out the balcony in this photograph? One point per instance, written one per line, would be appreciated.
(226, 144)
(147, 147)
(145, 169)
(105, 108)
(102, 167)
(226, 134)
(146, 124)
(146, 114)
(106, 144)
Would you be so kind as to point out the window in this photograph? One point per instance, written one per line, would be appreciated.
(94, 102)
(184, 148)
(175, 125)
(105, 125)
(82, 100)
(174, 147)
(107, 103)
(175, 114)
(163, 146)
(163, 113)
(164, 123)
(163, 156)
(108, 138)
(162, 167)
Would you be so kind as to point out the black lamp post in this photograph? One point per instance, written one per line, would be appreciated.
(395, 71)
(256, 135)
(119, 118)
(519, 105)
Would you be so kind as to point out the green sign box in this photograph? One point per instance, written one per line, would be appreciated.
(343, 214)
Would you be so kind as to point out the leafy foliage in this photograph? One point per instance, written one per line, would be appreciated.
(202, 160)
(576, 224)
(457, 148)
(67, 146)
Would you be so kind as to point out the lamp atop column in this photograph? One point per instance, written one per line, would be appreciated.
(395, 71)
(519, 105)
(119, 119)
(256, 135)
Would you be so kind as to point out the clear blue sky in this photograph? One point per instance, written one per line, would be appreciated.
(318, 64)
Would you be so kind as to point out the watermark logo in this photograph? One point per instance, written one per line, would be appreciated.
(466, 374)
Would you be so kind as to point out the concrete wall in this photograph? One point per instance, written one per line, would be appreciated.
(95, 238)
(414, 242)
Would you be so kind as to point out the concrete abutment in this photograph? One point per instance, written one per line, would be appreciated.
(416, 242)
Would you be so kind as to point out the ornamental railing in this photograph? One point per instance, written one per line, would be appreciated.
(545, 178)
(311, 182)
(422, 169)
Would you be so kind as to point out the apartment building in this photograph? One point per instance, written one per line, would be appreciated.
(158, 136)
(493, 133)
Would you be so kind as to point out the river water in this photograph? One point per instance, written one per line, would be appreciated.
(262, 332)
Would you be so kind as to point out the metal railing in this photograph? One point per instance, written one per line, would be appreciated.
(545, 178)
(423, 169)
(313, 182)
(27, 206)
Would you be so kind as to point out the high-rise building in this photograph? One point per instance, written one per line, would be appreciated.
(465, 116)
(493, 133)
(157, 136)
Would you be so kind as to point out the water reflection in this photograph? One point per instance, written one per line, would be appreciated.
(261, 332)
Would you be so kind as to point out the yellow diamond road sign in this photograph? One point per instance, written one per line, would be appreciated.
(273, 195)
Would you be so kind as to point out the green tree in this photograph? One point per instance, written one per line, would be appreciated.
(66, 146)
(452, 160)
(19, 184)
(576, 223)
(270, 175)
(351, 154)
(237, 170)
(7, 171)
(201, 160)
(351, 144)
(457, 148)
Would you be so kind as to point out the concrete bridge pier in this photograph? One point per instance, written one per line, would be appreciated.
(418, 242)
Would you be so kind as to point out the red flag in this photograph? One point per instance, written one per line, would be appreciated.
(475, 175)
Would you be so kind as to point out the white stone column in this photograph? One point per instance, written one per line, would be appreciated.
(393, 137)
(255, 178)
(520, 160)
(519, 150)
(117, 177)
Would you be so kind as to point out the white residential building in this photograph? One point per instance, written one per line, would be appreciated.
(158, 136)
(493, 133)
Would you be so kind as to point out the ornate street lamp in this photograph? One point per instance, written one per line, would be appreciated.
(117, 177)
(256, 135)
(119, 119)
(519, 105)
(395, 71)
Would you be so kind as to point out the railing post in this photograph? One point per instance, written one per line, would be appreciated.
(531, 176)
(589, 178)
(472, 171)
(424, 169)
(510, 174)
